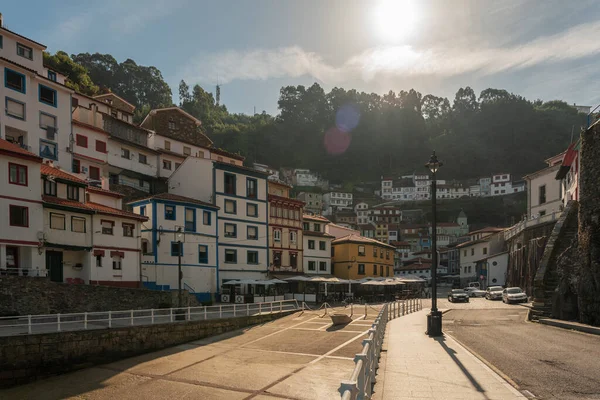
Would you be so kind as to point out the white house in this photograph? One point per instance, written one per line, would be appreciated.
(485, 186)
(313, 202)
(36, 101)
(493, 269)
(362, 213)
(174, 219)
(21, 222)
(544, 191)
(482, 243)
(501, 185)
(336, 200)
(317, 245)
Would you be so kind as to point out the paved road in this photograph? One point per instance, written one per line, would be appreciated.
(551, 363)
(296, 357)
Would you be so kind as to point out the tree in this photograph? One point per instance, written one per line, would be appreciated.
(77, 76)
(465, 101)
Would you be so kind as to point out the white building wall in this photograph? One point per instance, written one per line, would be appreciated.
(133, 162)
(194, 179)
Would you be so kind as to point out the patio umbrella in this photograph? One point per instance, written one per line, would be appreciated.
(299, 278)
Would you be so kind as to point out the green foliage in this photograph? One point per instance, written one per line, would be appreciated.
(77, 76)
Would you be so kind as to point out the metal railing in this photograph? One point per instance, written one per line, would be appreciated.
(33, 324)
(592, 116)
(360, 384)
(24, 272)
(519, 227)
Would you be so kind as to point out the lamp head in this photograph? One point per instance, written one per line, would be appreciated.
(434, 164)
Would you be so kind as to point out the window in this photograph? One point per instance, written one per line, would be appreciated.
(464, 253)
(49, 188)
(285, 213)
(472, 252)
(312, 265)
(107, 227)
(374, 269)
(128, 230)
(251, 188)
(306, 226)
(387, 255)
(294, 260)
(322, 266)
(47, 96)
(99, 261)
(322, 245)
(113, 113)
(24, 51)
(100, 146)
(206, 218)
(72, 192)
(251, 210)
(361, 250)
(143, 210)
(117, 263)
(176, 249)
(81, 141)
(277, 235)
(293, 237)
(17, 174)
(202, 254)
(252, 257)
(51, 75)
(76, 166)
(485, 250)
(170, 213)
(230, 256)
(361, 269)
(311, 244)
(142, 158)
(542, 213)
(469, 269)
(229, 183)
(375, 252)
(230, 230)
(167, 165)
(230, 206)
(252, 233)
(14, 80)
(47, 121)
(125, 153)
(279, 212)
(171, 123)
(167, 145)
(19, 216)
(317, 227)
(381, 270)
(15, 108)
(78, 224)
(57, 221)
(95, 173)
(190, 220)
(381, 254)
(542, 197)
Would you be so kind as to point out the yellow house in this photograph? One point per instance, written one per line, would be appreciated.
(357, 257)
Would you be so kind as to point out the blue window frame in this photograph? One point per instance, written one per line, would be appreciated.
(143, 210)
(47, 95)
(1, 41)
(52, 75)
(230, 256)
(15, 80)
(176, 248)
(252, 257)
(251, 188)
(230, 230)
(251, 210)
(206, 218)
(48, 150)
(170, 212)
(229, 183)
(252, 232)
(15, 108)
(202, 254)
(230, 206)
(190, 219)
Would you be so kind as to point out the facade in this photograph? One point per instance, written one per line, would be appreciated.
(493, 269)
(501, 185)
(37, 104)
(347, 218)
(313, 202)
(333, 201)
(544, 192)
(367, 230)
(273, 173)
(568, 174)
(317, 245)
(339, 231)
(362, 213)
(482, 243)
(174, 219)
(418, 269)
(285, 229)
(357, 257)
(485, 186)
(304, 177)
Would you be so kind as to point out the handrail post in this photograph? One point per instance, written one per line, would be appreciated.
(152, 315)
(85, 320)
(221, 311)
(234, 309)
(110, 319)
(189, 317)
(58, 322)
(131, 317)
(363, 375)
(271, 308)
(247, 309)
(260, 308)
(349, 386)
(171, 314)
(29, 324)
(280, 306)
(205, 307)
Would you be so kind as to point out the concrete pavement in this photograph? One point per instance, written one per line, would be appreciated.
(418, 367)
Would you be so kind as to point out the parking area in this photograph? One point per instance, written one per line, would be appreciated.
(301, 356)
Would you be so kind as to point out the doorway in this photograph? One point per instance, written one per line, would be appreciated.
(54, 260)
(12, 260)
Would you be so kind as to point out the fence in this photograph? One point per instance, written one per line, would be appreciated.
(24, 272)
(32, 324)
(517, 228)
(360, 384)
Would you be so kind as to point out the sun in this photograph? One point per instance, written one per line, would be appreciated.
(395, 20)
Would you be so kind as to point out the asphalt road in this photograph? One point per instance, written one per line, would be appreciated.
(549, 362)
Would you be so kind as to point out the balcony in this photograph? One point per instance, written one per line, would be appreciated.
(17, 137)
(519, 227)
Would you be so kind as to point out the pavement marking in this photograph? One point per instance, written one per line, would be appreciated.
(528, 393)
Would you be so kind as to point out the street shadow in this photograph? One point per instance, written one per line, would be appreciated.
(452, 353)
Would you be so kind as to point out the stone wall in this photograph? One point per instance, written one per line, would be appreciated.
(26, 358)
(25, 295)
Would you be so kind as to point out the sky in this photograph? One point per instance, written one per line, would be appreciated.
(538, 49)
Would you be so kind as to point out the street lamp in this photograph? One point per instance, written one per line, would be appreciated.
(434, 318)
(179, 238)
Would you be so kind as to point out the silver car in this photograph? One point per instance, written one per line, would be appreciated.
(494, 293)
(514, 295)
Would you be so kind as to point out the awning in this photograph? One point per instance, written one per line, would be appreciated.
(98, 253)
(67, 247)
(117, 254)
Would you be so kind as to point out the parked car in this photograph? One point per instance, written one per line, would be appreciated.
(458, 295)
(494, 293)
(475, 292)
(514, 295)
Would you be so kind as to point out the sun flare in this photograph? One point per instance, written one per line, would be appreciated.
(395, 19)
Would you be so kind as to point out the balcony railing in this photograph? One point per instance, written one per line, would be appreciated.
(24, 272)
(519, 227)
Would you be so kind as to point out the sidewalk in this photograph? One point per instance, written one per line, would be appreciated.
(416, 366)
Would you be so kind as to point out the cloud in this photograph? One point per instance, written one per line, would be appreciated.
(404, 61)
(132, 17)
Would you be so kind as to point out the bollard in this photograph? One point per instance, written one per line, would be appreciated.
(131, 317)
(247, 309)
(152, 315)
(205, 307)
(110, 319)
(189, 317)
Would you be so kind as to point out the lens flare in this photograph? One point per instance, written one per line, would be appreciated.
(336, 141)
(347, 117)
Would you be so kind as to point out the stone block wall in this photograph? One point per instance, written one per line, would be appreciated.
(26, 358)
(25, 295)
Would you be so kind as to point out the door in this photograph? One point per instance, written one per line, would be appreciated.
(54, 261)
(12, 260)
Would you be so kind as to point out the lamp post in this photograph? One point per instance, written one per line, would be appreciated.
(180, 238)
(434, 319)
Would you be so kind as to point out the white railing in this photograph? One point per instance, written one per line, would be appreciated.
(33, 324)
(518, 228)
(360, 384)
(24, 272)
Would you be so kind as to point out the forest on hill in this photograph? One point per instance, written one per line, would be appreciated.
(350, 136)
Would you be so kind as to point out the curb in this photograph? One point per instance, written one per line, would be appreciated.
(570, 326)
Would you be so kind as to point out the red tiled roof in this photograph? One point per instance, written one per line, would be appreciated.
(104, 191)
(102, 209)
(227, 153)
(65, 202)
(61, 174)
(13, 149)
(318, 234)
(175, 197)
(359, 239)
(316, 218)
